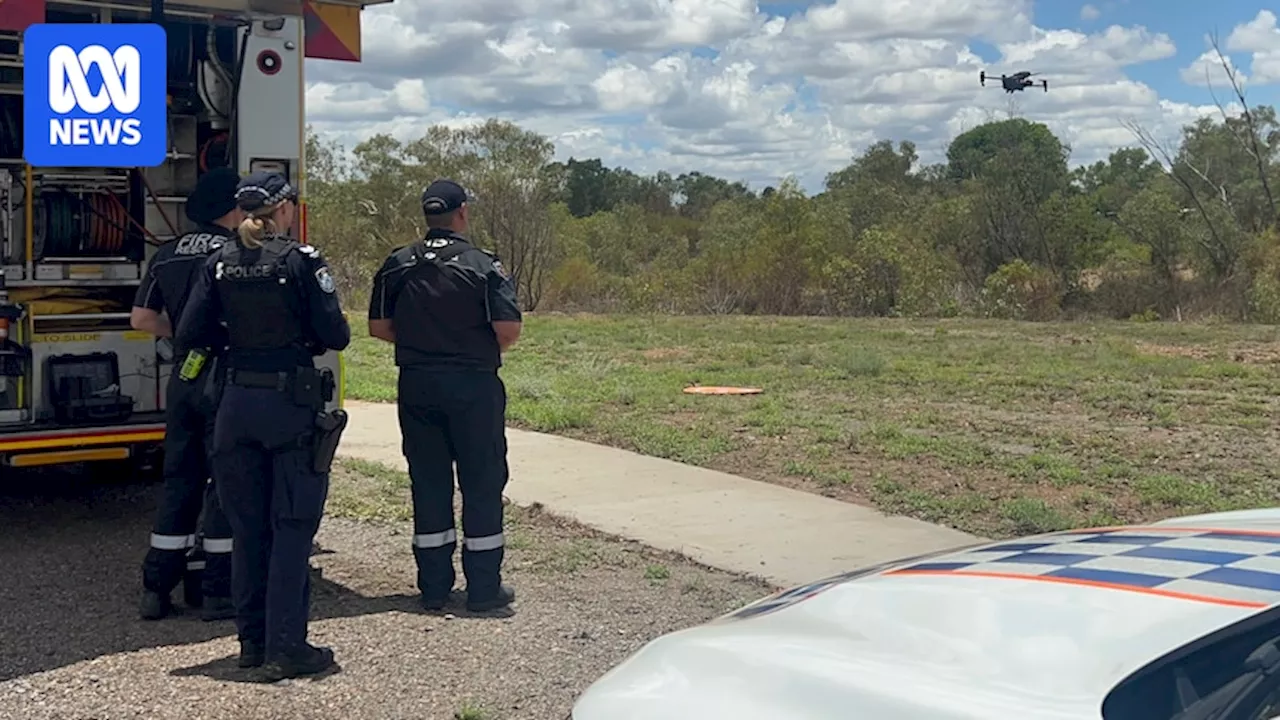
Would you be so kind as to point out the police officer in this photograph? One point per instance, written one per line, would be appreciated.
(280, 307)
(450, 310)
(190, 405)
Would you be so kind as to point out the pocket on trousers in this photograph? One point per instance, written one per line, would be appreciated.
(300, 492)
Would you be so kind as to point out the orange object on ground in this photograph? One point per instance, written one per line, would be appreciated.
(719, 390)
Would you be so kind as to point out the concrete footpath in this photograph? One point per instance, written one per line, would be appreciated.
(787, 536)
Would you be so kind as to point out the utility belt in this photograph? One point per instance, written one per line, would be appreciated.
(309, 387)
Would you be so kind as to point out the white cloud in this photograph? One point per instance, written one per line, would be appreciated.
(1089, 13)
(721, 87)
(1208, 71)
(1261, 37)
(1104, 54)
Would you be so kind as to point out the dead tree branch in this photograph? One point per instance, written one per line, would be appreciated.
(1158, 151)
(1252, 146)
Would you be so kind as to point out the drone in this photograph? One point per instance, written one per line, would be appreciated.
(1016, 82)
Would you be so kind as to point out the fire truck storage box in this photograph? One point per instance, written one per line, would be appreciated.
(135, 356)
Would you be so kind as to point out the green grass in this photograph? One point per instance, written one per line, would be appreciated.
(995, 427)
(364, 490)
(470, 712)
(657, 573)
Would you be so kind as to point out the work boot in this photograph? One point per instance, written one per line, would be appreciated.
(154, 605)
(217, 608)
(252, 655)
(308, 660)
(504, 597)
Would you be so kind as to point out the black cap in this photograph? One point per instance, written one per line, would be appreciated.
(214, 196)
(262, 189)
(443, 196)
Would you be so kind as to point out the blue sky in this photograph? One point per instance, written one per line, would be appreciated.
(1186, 22)
(716, 86)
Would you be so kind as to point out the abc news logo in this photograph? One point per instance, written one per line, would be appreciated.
(95, 95)
(69, 92)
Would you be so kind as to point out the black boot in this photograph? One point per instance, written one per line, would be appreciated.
(154, 605)
(308, 660)
(217, 608)
(504, 597)
(252, 655)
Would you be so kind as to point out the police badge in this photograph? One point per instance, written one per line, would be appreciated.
(325, 280)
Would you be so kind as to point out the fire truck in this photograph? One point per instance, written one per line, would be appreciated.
(77, 383)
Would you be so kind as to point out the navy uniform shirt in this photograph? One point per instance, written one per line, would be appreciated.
(172, 271)
(442, 311)
(308, 274)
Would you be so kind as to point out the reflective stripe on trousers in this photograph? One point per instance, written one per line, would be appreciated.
(172, 542)
(427, 541)
(218, 545)
(481, 544)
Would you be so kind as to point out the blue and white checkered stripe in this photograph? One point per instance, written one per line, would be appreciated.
(268, 198)
(1228, 566)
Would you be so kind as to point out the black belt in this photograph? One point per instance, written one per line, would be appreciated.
(275, 381)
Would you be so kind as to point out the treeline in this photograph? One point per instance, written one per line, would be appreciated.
(1003, 228)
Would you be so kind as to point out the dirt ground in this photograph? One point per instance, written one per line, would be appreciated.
(72, 648)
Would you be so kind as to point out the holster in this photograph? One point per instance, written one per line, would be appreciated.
(329, 427)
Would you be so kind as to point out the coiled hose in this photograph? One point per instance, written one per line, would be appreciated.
(96, 223)
(61, 223)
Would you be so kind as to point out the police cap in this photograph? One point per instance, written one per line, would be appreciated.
(214, 196)
(263, 189)
(443, 196)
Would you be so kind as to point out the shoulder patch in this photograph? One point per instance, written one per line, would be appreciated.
(309, 251)
(500, 269)
(325, 280)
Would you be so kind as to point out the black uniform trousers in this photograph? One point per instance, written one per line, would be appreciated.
(448, 416)
(274, 500)
(189, 421)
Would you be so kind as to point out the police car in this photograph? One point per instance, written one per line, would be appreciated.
(1176, 620)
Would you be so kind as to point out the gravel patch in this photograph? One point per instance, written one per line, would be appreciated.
(71, 647)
